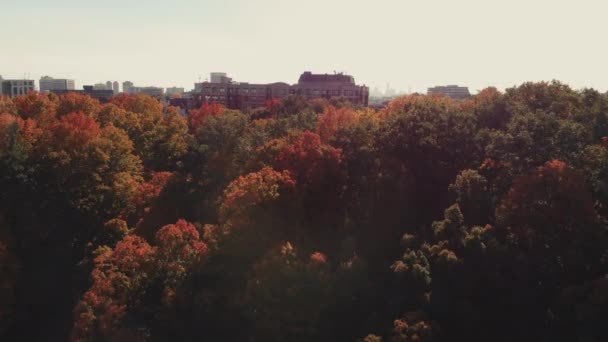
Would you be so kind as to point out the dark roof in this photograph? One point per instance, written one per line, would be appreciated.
(308, 77)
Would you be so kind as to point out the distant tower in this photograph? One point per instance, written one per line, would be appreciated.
(127, 87)
(109, 85)
(116, 87)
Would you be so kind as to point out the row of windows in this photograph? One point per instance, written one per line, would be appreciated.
(335, 92)
(245, 98)
(315, 92)
(21, 90)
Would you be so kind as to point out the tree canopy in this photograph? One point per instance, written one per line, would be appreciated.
(428, 220)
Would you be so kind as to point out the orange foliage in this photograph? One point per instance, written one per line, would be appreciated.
(138, 103)
(252, 190)
(7, 105)
(28, 129)
(74, 102)
(333, 119)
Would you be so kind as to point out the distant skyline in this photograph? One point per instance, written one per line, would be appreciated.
(411, 44)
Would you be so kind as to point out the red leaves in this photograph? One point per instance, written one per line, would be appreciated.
(553, 197)
(118, 275)
(316, 169)
(273, 105)
(142, 200)
(198, 117)
(489, 164)
(308, 159)
(36, 106)
(318, 258)
(121, 276)
(554, 166)
(131, 255)
(73, 131)
(179, 246)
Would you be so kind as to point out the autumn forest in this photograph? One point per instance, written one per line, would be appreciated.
(426, 220)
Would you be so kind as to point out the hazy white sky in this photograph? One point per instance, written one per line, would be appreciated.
(407, 43)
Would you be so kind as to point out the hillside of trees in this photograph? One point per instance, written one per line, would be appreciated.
(427, 220)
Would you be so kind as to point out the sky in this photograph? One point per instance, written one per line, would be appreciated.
(409, 44)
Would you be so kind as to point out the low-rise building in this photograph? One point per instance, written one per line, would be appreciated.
(103, 95)
(100, 86)
(452, 91)
(174, 90)
(48, 83)
(150, 91)
(14, 88)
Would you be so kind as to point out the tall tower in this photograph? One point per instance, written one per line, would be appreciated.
(127, 87)
(109, 85)
(116, 87)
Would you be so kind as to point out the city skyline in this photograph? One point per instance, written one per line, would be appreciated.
(409, 44)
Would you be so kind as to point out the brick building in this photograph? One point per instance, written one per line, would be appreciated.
(249, 95)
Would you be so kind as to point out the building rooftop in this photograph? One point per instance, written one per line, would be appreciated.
(308, 77)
